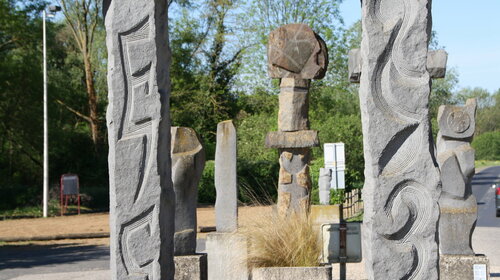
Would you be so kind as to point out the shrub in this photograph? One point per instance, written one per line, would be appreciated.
(487, 146)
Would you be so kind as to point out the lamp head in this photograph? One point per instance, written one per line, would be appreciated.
(54, 8)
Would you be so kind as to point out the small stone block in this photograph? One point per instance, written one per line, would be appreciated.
(436, 63)
(458, 267)
(354, 66)
(227, 254)
(295, 273)
(193, 267)
(295, 139)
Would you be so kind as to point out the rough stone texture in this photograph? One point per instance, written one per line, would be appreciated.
(296, 273)
(459, 267)
(227, 254)
(295, 139)
(188, 161)
(226, 207)
(293, 112)
(141, 193)
(354, 65)
(193, 267)
(295, 51)
(295, 55)
(401, 175)
(325, 176)
(294, 183)
(458, 205)
(436, 63)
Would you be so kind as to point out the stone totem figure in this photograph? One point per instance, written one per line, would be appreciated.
(458, 205)
(141, 194)
(402, 185)
(188, 161)
(295, 55)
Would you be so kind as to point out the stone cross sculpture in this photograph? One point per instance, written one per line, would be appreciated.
(456, 160)
(401, 189)
(436, 64)
(295, 55)
(188, 161)
(138, 119)
(226, 203)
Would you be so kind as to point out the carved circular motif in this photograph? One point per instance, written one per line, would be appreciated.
(458, 121)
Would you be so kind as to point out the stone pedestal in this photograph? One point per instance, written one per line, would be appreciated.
(295, 273)
(227, 255)
(193, 267)
(461, 267)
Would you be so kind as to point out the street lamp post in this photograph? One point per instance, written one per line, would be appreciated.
(52, 11)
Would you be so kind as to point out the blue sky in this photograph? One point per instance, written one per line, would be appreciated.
(470, 33)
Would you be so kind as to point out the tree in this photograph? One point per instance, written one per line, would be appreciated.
(83, 19)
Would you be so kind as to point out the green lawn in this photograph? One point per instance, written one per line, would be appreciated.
(487, 163)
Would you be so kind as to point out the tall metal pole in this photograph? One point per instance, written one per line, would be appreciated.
(45, 126)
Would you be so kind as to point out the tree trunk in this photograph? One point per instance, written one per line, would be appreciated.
(92, 99)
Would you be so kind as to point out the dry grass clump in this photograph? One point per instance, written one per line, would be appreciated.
(276, 241)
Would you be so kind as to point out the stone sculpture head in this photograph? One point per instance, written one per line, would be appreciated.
(295, 51)
(456, 121)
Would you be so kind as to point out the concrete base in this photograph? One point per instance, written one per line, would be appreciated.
(295, 273)
(227, 256)
(192, 267)
(461, 267)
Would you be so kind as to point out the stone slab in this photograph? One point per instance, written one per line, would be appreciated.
(227, 254)
(436, 63)
(226, 208)
(188, 161)
(295, 273)
(142, 202)
(325, 176)
(459, 267)
(191, 267)
(295, 139)
(401, 187)
(354, 65)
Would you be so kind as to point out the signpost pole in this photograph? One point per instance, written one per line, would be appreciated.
(343, 243)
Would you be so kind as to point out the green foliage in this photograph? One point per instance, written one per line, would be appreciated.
(206, 188)
(487, 146)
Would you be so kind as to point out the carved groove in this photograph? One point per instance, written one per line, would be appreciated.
(129, 262)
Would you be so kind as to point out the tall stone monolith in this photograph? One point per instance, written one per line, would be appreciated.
(295, 55)
(402, 185)
(188, 161)
(226, 203)
(141, 193)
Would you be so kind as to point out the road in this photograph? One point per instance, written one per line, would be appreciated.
(58, 262)
(485, 196)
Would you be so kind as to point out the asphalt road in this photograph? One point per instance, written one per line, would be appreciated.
(485, 196)
(91, 262)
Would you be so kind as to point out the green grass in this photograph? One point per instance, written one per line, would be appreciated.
(37, 211)
(486, 163)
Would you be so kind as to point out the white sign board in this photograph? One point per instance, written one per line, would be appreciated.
(330, 237)
(335, 160)
(480, 272)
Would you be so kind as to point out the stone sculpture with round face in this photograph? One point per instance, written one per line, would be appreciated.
(295, 51)
(457, 122)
